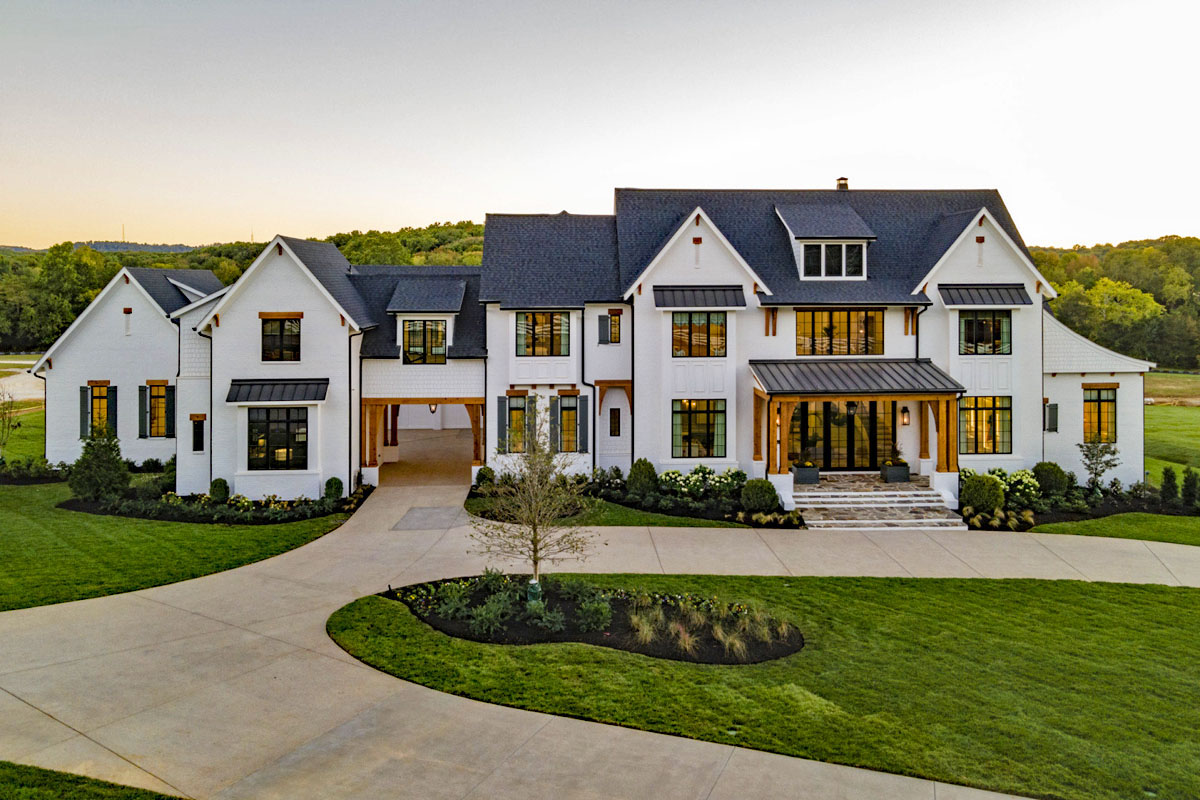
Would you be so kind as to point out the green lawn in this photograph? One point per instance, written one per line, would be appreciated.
(48, 555)
(19, 782)
(1155, 527)
(1058, 689)
(1171, 386)
(605, 513)
(1173, 435)
(29, 439)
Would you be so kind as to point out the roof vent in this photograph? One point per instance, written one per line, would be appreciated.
(843, 184)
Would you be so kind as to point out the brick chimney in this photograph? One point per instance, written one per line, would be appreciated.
(843, 184)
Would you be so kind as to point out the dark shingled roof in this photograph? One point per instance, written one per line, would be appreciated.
(913, 229)
(377, 285)
(549, 260)
(852, 376)
(824, 221)
(443, 295)
(698, 296)
(277, 390)
(168, 296)
(332, 270)
(984, 294)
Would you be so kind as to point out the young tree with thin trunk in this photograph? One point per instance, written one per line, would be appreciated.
(534, 519)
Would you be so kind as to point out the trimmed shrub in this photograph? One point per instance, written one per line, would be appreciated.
(643, 479)
(983, 493)
(166, 481)
(1191, 483)
(486, 476)
(100, 473)
(218, 490)
(151, 465)
(1051, 477)
(334, 489)
(1169, 491)
(759, 496)
(594, 615)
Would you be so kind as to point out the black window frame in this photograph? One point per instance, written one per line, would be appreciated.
(684, 414)
(851, 321)
(998, 412)
(156, 410)
(819, 268)
(267, 421)
(706, 349)
(518, 406)
(552, 335)
(276, 339)
(198, 436)
(568, 432)
(426, 355)
(1102, 396)
(969, 332)
(614, 422)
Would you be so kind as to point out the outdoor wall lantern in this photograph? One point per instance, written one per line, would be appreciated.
(904, 415)
(433, 408)
(851, 407)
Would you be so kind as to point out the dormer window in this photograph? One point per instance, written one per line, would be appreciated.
(833, 260)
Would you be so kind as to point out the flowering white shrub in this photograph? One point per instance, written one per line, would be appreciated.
(1021, 489)
(672, 482)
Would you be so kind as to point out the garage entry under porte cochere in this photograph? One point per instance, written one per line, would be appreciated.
(450, 434)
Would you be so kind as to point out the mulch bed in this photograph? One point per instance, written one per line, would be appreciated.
(619, 634)
(101, 509)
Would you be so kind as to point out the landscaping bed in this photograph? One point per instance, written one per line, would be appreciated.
(145, 503)
(493, 608)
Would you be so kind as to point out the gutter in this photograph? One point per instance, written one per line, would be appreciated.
(632, 385)
(353, 480)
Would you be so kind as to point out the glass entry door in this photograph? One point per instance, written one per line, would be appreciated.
(843, 434)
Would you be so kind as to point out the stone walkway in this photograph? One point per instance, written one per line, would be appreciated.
(228, 687)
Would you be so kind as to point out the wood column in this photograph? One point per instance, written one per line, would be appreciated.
(952, 433)
(940, 418)
(772, 437)
(473, 413)
(758, 431)
(373, 427)
(923, 410)
(363, 411)
(786, 409)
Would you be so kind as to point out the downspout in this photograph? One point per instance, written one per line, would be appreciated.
(917, 329)
(583, 379)
(632, 386)
(353, 479)
(211, 421)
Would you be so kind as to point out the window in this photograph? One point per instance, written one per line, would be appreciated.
(568, 424)
(985, 333)
(698, 334)
(698, 429)
(158, 410)
(281, 339)
(278, 438)
(834, 260)
(614, 422)
(516, 424)
(1099, 415)
(614, 328)
(424, 341)
(839, 332)
(99, 415)
(197, 436)
(985, 425)
(543, 333)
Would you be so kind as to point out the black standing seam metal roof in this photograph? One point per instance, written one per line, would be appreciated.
(277, 390)
(824, 221)
(984, 294)
(169, 297)
(699, 297)
(852, 376)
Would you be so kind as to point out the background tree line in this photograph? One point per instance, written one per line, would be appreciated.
(41, 292)
(1139, 298)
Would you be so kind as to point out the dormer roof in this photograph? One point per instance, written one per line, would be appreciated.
(823, 221)
(435, 295)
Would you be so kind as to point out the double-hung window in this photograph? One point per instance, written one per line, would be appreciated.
(543, 333)
(278, 438)
(424, 341)
(698, 429)
(839, 331)
(281, 339)
(698, 334)
(1100, 415)
(985, 333)
(834, 260)
(985, 425)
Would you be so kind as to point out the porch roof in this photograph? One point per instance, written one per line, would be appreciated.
(984, 294)
(853, 376)
(699, 297)
(277, 390)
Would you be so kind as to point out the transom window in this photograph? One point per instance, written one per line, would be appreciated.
(839, 331)
(985, 333)
(834, 260)
(1099, 415)
(698, 429)
(281, 339)
(278, 438)
(698, 334)
(543, 333)
(424, 341)
(985, 425)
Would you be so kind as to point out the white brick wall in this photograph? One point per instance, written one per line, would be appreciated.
(389, 377)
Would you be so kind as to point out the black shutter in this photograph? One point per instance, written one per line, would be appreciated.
(85, 411)
(502, 424)
(170, 412)
(112, 410)
(582, 420)
(1052, 417)
(143, 412)
(604, 328)
(554, 424)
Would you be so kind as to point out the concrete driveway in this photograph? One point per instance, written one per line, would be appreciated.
(227, 686)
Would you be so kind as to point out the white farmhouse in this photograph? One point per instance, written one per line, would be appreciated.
(726, 328)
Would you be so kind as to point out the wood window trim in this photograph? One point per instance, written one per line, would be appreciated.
(126, 310)
(281, 315)
(157, 383)
(615, 312)
(516, 393)
(98, 383)
(568, 393)
(197, 417)
(1101, 386)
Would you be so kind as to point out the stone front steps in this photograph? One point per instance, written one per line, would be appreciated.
(863, 502)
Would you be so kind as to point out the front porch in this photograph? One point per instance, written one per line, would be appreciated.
(861, 500)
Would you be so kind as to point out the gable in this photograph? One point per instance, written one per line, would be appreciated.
(982, 252)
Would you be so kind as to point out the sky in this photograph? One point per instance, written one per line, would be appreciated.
(213, 121)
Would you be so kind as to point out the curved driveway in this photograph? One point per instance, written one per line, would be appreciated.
(227, 686)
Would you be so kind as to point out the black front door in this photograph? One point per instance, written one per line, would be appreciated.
(843, 434)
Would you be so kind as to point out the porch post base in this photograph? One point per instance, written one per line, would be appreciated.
(785, 488)
(758, 469)
(475, 472)
(370, 475)
(947, 484)
(925, 466)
